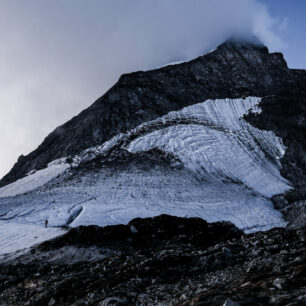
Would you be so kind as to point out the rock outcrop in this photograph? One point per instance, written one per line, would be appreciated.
(165, 260)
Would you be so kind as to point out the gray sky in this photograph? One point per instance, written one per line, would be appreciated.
(57, 57)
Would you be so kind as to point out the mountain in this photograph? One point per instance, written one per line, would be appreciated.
(220, 137)
(109, 209)
(233, 70)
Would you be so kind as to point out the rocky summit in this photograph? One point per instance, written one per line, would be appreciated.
(183, 185)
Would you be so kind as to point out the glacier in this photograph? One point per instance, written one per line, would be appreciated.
(222, 168)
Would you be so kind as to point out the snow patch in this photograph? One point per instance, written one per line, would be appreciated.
(172, 64)
(34, 179)
(16, 236)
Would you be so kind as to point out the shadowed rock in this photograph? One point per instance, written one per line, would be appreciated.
(148, 232)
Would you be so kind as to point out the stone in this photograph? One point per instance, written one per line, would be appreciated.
(230, 302)
(51, 302)
(226, 251)
(279, 283)
(133, 229)
(279, 202)
(284, 252)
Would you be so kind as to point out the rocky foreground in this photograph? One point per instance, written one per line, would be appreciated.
(162, 260)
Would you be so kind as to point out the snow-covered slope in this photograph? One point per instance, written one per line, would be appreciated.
(204, 160)
(15, 236)
(34, 180)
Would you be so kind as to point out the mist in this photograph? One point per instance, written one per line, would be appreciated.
(57, 57)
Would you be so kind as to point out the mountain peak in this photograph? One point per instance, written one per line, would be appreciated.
(251, 42)
(235, 69)
(251, 49)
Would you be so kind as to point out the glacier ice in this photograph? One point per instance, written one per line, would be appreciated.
(219, 145)
(230, 171)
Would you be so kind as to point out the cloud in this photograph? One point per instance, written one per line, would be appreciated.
(57, 57)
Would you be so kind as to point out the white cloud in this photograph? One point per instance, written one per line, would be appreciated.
(56, 57)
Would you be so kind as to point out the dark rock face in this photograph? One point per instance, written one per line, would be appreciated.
(233, 70)
(165, 260)
(285, 115)
(149, 232)
(118, 158)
